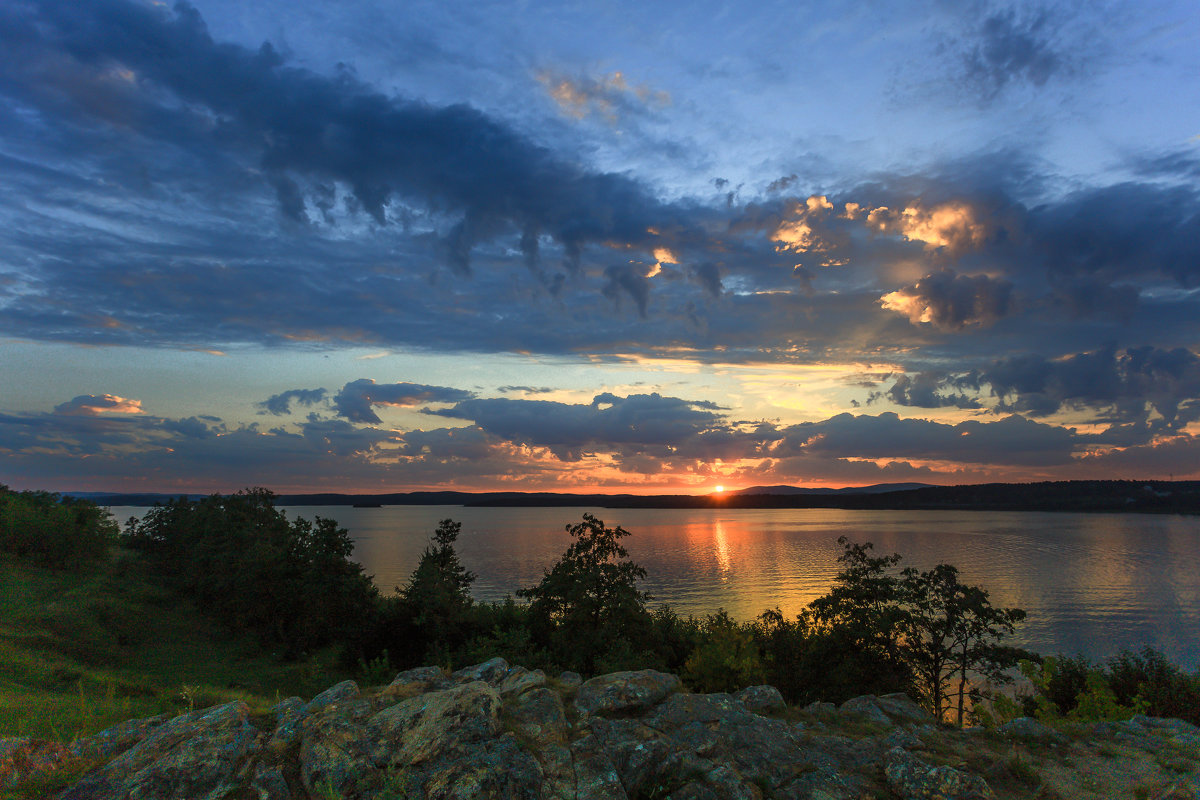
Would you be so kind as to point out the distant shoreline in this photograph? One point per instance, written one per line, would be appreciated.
(1154, 497)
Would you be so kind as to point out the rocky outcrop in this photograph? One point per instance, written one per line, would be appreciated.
(495, 731)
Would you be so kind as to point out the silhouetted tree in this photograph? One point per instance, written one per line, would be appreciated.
(437, 598)
(952, 636)
(587, 607)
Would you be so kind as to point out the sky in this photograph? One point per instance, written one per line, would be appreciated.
(624, 247)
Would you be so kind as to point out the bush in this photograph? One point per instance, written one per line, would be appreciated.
(291, 583)
(727, 658)
(1164, 689)
(53, 531)
(587, 611)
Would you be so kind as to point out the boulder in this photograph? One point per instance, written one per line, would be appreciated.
(335, 754)
(427, 726)
(866, 707)
(498, 769)
(595, 775)
(195, 756)
(491, 672)
(624, 691)
(912, 779)
(761, 699)
(538, 717)
(903, 709)
(117, 739)
(520, 680)
(289, 713)
(346, 690)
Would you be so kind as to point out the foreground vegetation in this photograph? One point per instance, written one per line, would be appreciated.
(224, 597)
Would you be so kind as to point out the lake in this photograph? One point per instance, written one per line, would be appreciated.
(1091, 583)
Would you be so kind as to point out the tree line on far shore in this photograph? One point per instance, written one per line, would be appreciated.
(880, 629)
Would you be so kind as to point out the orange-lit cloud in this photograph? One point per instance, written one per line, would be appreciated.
(955, 226)
(92, 404)
(604, 96)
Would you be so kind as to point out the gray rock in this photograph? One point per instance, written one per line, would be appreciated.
(538, 717)
(521, 680)
(269, 784)
(426, 675)
(913, 779)
(491, 672)
(624, 691)
(570, 680)
(335, 754)
(289, 713)
(595, 775)
(761, 699)
(427, 726)
(195, 756)
(900, 737)
(866, 707)
(117, 739)
(346, 690)
(764, 751)
(413, 682)
(497, 769)
(903, 709)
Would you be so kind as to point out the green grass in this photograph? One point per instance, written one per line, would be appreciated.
(82, 651)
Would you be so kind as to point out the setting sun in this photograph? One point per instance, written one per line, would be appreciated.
(720, 489)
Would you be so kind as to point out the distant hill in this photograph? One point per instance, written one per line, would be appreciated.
(1161, 497)
(878, 488)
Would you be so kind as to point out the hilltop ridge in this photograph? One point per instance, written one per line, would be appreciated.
(492, 731)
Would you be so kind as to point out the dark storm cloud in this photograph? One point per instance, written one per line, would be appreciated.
(608, 421)
(1013, 440)
(927, 390)
(1124, 386)
(280, 404)
(1131, 231)
(355, 400)
(157, 73)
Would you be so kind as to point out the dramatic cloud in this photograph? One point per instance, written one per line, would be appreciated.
(355, 400)
(280, 404)
(160, 74)
(1013, 440)
(951, 301)
(608, 421)
(927, 390)
(1126, 386)
(481, 203)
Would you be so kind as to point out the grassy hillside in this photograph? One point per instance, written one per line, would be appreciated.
(80, 651)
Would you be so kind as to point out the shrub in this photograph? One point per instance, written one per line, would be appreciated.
(53, 531)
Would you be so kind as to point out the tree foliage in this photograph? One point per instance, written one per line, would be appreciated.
(52, 530)
(292, 583)
(588, 609)
(437, 598)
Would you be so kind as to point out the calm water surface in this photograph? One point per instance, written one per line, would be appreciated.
(1091, 583)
